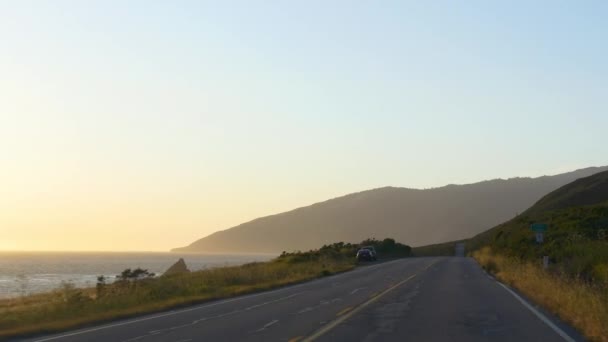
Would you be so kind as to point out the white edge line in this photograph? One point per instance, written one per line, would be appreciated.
(171, 313)
(268, 325)
(538, 314)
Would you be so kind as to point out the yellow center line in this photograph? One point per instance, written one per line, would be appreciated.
(431, 264)
(295, 339)
(344, 311)
(344, 316)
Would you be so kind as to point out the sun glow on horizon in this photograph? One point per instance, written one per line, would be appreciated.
(130, 126)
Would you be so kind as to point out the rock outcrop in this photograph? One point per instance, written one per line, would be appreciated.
(177, 268)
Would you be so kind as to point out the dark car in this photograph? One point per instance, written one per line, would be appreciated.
(373, 250)
(365, 254)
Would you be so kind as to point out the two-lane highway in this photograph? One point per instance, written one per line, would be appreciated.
(419, 299)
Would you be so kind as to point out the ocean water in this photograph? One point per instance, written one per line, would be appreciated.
(23, 273)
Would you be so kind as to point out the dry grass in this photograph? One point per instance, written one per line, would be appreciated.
(582, 305)
(69, 307)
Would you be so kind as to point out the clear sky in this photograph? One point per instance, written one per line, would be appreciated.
(144, 125)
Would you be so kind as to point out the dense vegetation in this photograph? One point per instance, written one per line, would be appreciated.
(576, 242)
(577, 239)
(387, 248)
(138, 291)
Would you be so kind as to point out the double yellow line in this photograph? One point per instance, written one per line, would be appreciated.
(346, 314)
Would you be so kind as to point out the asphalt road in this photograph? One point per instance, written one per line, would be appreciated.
(416, 299)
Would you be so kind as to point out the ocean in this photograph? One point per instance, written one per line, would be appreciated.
(23, 273)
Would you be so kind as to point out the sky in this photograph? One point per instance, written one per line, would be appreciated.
(145, 125)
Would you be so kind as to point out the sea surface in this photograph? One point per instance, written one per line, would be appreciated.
(23, 273)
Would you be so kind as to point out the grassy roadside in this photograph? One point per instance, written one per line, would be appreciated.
(578, 302)
(69, 307)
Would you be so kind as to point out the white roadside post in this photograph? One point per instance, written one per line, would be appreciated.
(540, 237)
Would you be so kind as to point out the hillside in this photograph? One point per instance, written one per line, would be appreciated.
(585, 191)
(416, 217)
(577, 238)
(577, 215)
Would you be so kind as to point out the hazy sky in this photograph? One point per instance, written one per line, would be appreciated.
(144, 125)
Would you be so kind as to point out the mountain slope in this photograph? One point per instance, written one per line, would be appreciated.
(577, 214)
(414, 217)
(584, 191)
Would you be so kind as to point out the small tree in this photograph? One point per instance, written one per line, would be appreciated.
(101, 286)
(129, 275)
(129, 278)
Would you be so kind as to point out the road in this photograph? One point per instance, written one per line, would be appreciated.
(415, 299)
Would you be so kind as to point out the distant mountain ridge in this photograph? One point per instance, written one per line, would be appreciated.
(583, 191)
(411, 216)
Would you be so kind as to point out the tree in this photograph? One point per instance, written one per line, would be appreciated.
(101, 286)
(129, 276)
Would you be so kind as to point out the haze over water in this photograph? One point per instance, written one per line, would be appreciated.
(35, 272)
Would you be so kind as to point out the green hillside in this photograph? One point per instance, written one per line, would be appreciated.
(577, 238)
(576, 242)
